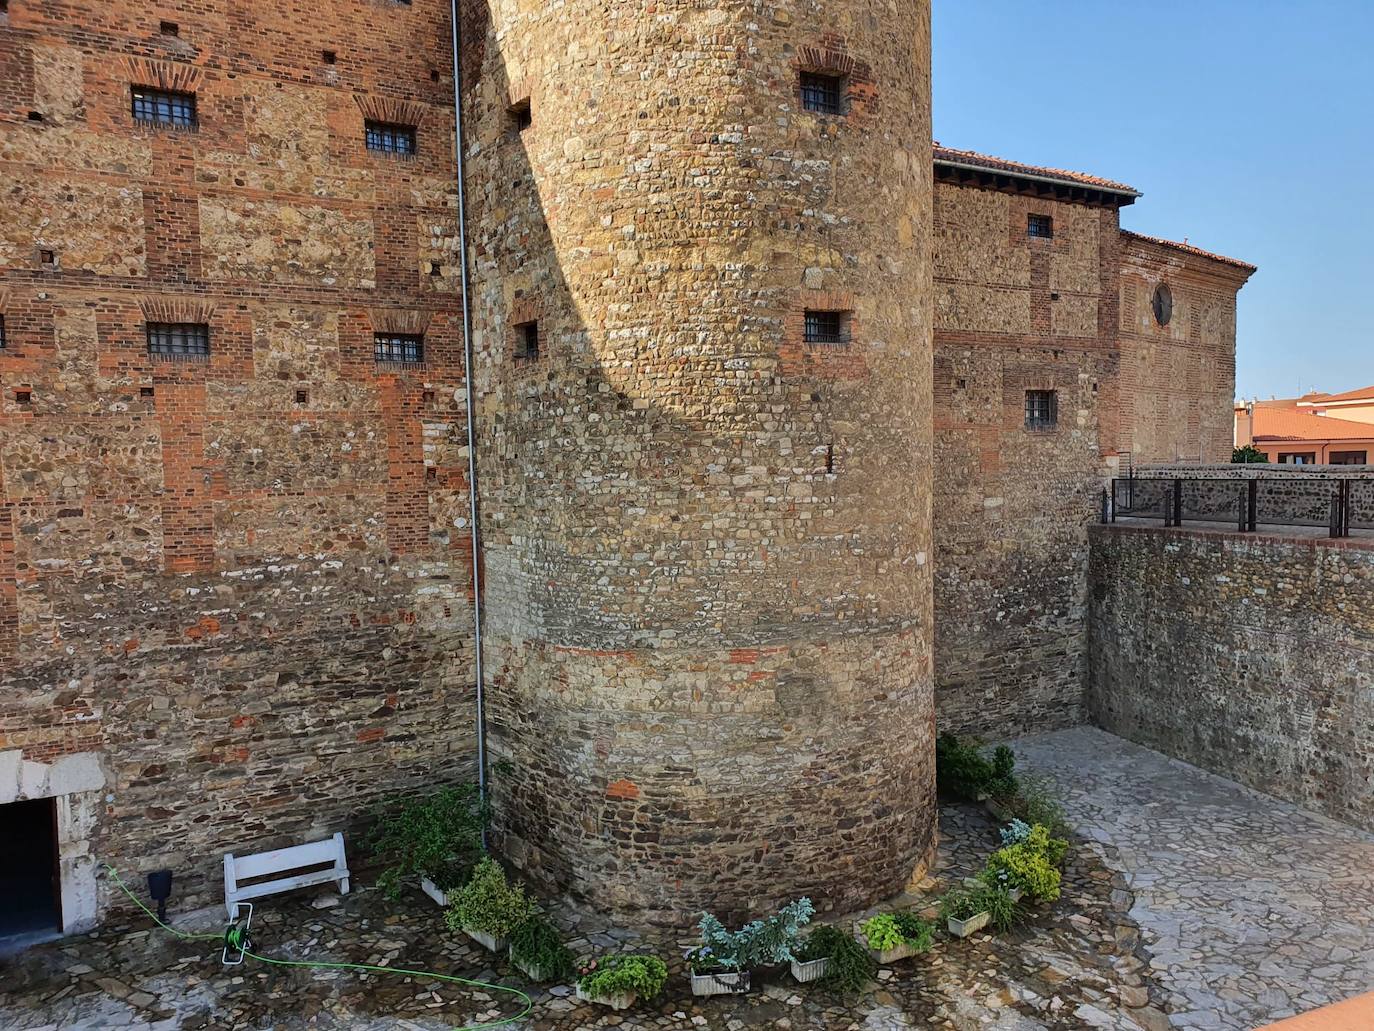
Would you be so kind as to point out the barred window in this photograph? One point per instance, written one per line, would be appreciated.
(1042, 409)
(823, 94)
(827, 327)
(178, 339)
(2, 331)
(164, 107)
(398, 347)
(390, 139)
(1041, 226)
(527, 340)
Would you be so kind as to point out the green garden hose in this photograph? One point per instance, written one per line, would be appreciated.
(234, 938)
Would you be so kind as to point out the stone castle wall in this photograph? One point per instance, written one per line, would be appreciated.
(1252, 657)
(234, 591)
(1016, 313)
(707, 543)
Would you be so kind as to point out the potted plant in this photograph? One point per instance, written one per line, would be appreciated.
(961, 769)
(969, 910)
(436, 839)
(617, 981)
(537, 948)
(720, 964)
(894, 936)
(834, 960)
(1001, 785)
(489, 908)
(1031, 864)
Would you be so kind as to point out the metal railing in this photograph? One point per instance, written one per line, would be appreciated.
(1340, 505)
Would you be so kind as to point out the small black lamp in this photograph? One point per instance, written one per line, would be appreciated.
(160, 888)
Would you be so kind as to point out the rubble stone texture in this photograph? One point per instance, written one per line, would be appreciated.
(706, 542)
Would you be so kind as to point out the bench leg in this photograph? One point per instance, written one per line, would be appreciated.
(343, 886)
(233, 908)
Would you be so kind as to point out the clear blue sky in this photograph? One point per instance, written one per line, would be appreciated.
(1247, 124)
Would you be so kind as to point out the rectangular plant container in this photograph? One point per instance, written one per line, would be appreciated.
(434, 891)
(810, 970)
(618, 1001)
(963, 928)
(892, 955)
(732, 983)
(486, 940)
(533, 971)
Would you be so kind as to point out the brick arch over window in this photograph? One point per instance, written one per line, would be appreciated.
(165, 75)
(175, 309)
(398, 320)
(831, 57)
(391, 111)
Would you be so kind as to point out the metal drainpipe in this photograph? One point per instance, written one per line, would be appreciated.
(472, 410)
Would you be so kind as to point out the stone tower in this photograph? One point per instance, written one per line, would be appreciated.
(702, 311)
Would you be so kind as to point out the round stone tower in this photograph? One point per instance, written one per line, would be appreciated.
(701, 253)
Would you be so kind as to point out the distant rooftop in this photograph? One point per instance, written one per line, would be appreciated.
(1190, 249)
(965, 165)
(1362, 394)
(1278, 421)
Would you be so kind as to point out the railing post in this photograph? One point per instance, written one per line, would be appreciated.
(1252, 518)
(1241, 510)
(1106, 507)
(1178, 502)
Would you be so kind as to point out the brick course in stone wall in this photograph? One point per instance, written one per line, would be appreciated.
(241, 582)
(1250, 656)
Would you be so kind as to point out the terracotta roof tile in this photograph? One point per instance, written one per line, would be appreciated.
(971, 157)
(1273, 423)
(1363, 394)
(1190, 249)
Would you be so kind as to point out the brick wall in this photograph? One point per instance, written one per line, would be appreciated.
(242, 581)
(1252, 657)
(1015, 314)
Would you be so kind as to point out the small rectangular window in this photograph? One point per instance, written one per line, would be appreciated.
(169, 28)
(527, 340)
(2, 331)
(390, 139)
(1337, 457)
(823, 94)
(1040, 226)
(827, 327)
(178, 339)
(1298, 458)
(1042, 409)
(164, 107)
(398, 347)
(521, 116)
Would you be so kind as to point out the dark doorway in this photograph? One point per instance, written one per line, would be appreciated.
(29, 893)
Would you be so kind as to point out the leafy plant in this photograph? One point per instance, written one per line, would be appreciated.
(489, 903)
(1038, 802)
(961, 769)
(612, 975)
(1031, 865)
(439, 837)
(850, 967)
(760, 943)
(990, 898)
(891, 930)
(1247, 455)
(536, 943)
(1002, 784)
(1015, 832)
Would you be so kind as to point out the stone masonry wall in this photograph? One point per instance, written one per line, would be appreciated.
(707, 543)
(238, 586)
(1016, 313)
(1249, 656)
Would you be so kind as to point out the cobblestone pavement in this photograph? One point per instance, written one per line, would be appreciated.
(1191, 903)
(1251, 908)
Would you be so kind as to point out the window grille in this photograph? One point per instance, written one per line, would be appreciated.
(823, 94)
(1040, 226)
(827, 327)
(178, 339)
(164, 107)
(527, 340)
(398, 347)
(2, 331)
(1042, 409)
(390, 139)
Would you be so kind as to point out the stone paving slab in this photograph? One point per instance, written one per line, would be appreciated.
(1251, 908)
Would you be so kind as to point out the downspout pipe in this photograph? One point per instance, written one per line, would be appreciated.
(468, 366)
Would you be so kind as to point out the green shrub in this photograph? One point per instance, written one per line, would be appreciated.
(1247, 455)
(760, 943)
(1037, 802)
(1002, 784)
(1032, 865)
(851, 967)
(611, 975)
(439, 837)
(961, 769)
(537, 943)
(990, 898)
(890, 930)
(489, 903)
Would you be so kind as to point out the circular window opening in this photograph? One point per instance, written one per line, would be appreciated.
(1163, 304)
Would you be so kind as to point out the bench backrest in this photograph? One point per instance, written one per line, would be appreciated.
(281, 859)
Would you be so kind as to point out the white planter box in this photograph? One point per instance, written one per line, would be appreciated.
(530, 970)
(886, 956)
(811, 970)
(732, 983)
(1016, 894)
(620, 1001)
(486, 940)
(434, 891)
(963, 928)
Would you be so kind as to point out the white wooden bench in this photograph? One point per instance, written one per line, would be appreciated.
(289, 861)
